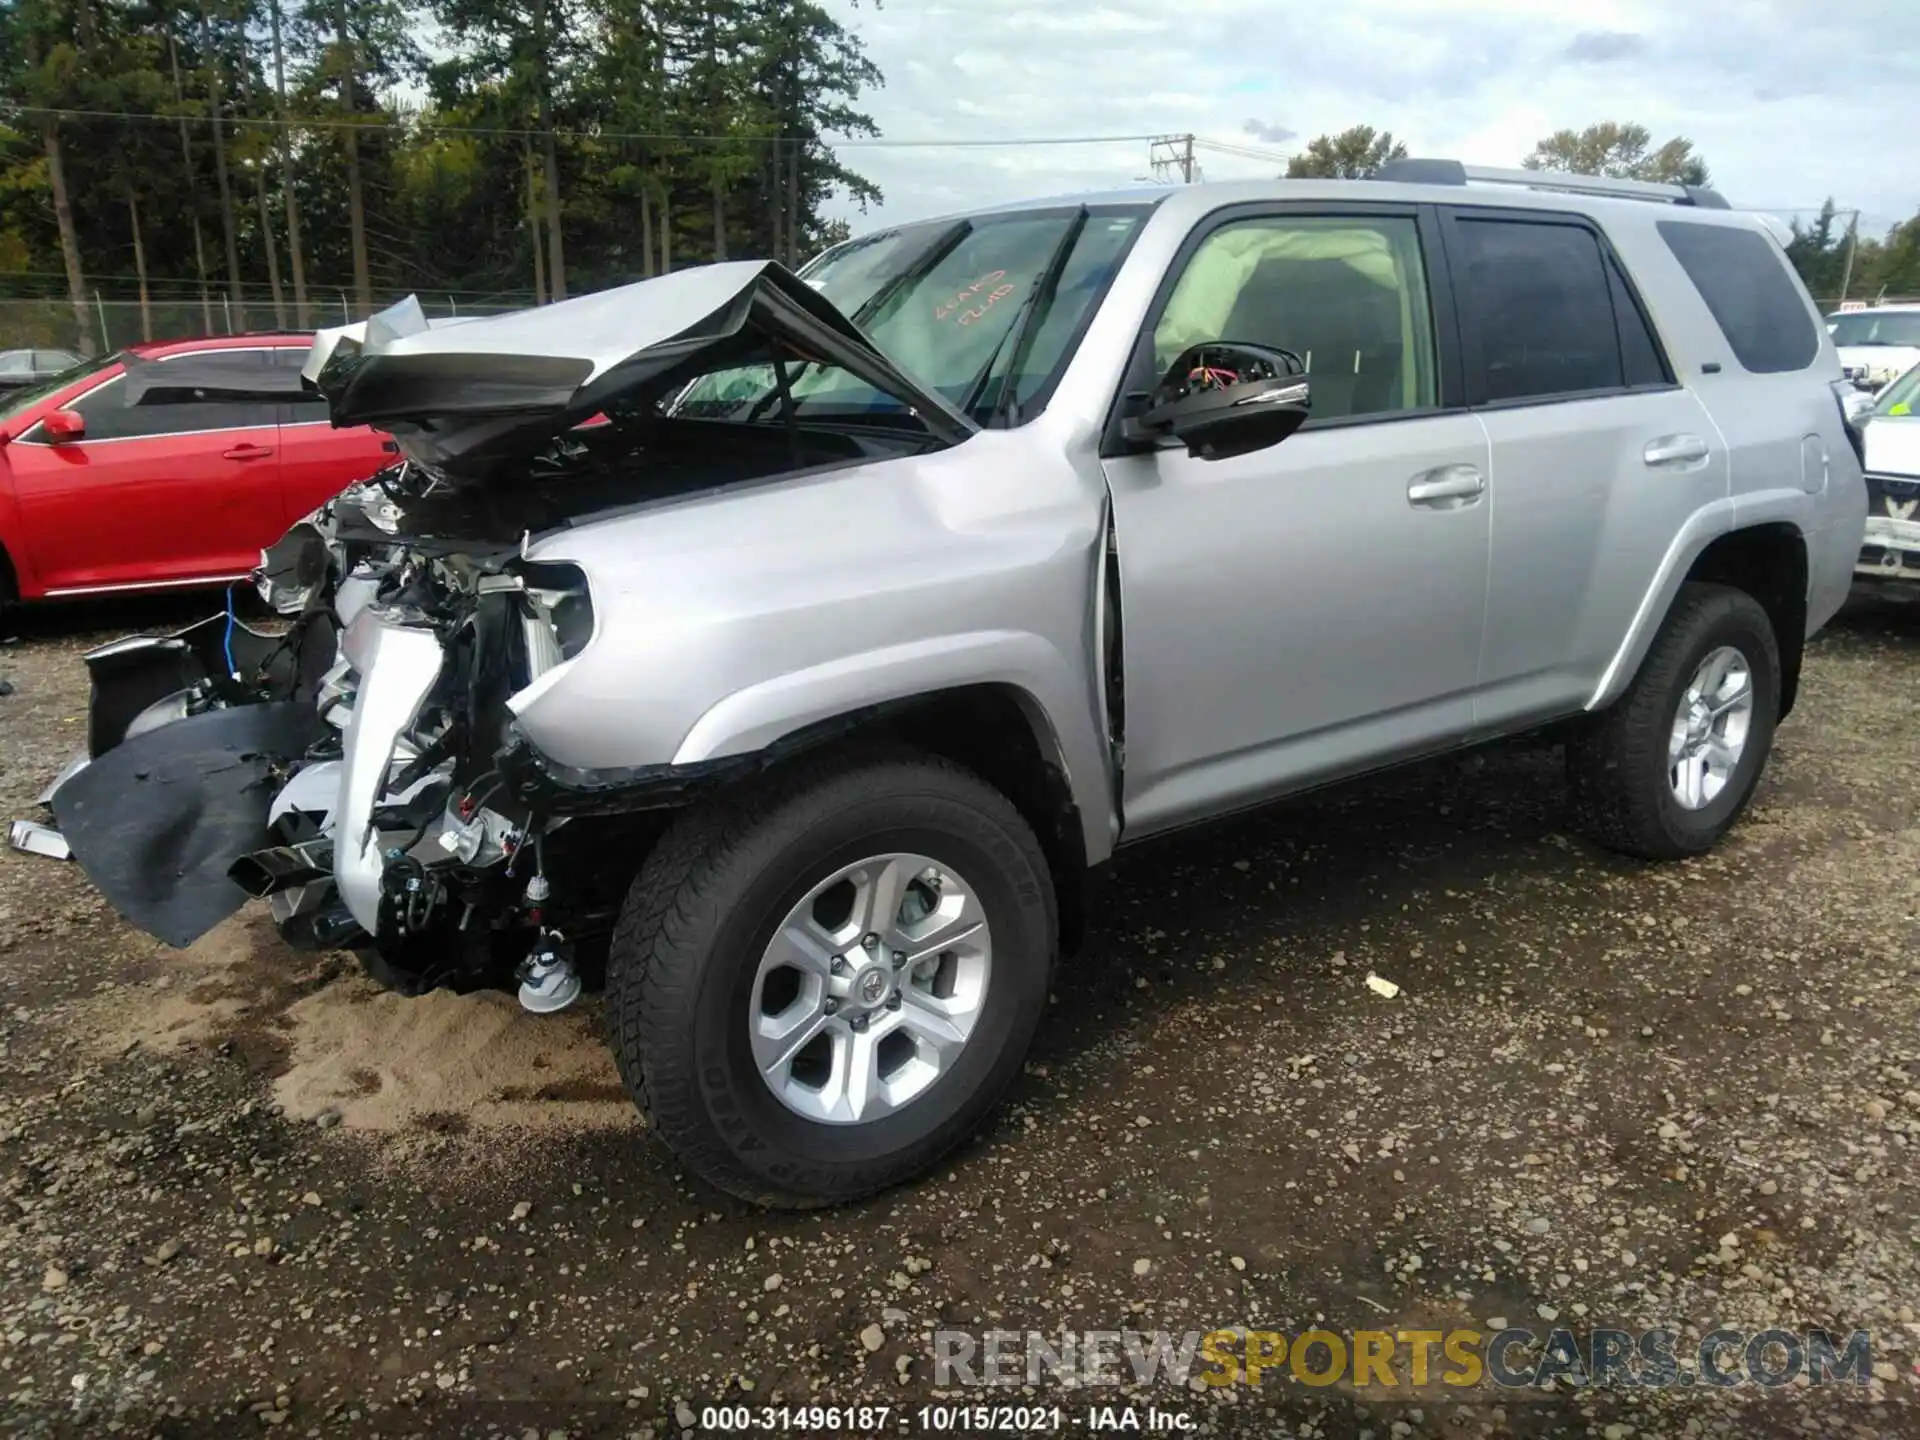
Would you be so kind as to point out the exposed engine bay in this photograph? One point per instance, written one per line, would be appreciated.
(358, 747)
(360, 768)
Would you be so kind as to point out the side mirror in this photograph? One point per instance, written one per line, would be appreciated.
(63, 427)
(1227, 399)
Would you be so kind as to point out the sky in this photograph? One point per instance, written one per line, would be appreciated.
(1788, 101)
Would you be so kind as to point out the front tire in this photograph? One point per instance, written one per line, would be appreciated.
(822, 983)
(1668, 769)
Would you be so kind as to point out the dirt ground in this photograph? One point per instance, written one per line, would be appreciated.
(244, 1190)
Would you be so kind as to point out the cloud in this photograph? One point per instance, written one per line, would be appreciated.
(1269, 133)
(1463, 78)
(1597, 47)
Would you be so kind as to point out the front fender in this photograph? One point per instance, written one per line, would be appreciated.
(1056, 700)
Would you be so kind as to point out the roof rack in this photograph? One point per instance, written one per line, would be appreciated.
(1452, 172)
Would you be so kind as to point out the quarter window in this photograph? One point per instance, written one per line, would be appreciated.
(1539, 306)
(1347, 294)
(1743, 277)
(1640, 353)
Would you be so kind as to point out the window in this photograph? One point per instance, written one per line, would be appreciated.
(1538, 302)
(15, 402)
(940, 300)
(1346, 294)
(16, 362)
(1639, 348)
(1902, 397)
(172, 412)
(1744, 279)
(1878, 327)
(310, 406)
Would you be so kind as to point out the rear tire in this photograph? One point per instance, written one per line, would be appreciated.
(698, 950)
(1668, 769)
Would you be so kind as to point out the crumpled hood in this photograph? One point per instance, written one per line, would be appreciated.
(455, 392)
(1893, 445)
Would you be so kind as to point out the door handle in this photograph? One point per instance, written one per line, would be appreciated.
(1447, 488)
(1675, 450)
(247, 452)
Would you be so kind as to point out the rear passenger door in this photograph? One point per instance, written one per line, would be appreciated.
(1598, 456)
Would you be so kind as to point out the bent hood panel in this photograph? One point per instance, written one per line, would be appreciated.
(459, 390)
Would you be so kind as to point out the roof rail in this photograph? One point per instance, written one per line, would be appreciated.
(1452, 172)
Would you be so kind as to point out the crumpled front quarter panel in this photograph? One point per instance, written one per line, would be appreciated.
(726, 620)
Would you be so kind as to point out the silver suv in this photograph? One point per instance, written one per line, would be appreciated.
(784, 652)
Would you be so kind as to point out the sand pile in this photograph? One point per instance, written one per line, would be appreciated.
(192, 996)
(440, 1063)
(447, 1062)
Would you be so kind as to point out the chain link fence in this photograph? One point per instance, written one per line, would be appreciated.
(110, 324)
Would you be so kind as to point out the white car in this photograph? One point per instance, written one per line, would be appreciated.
(1891, 548)
(1878, 345)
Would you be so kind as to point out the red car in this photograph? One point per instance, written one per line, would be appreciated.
(112, 478)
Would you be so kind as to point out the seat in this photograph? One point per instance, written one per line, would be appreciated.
(1345, 327)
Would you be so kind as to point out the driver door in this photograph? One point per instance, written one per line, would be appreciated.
(1313, 609)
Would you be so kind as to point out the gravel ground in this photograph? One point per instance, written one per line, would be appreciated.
(243, 1190)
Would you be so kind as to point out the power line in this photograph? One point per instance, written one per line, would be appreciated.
(406, 121)
(1245, 152)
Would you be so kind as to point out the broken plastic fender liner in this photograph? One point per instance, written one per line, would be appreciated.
(155, 822)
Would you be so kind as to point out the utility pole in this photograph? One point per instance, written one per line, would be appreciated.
(1173, 153)
(1846, 274)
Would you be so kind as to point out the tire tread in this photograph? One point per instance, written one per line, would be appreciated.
(1604, 759)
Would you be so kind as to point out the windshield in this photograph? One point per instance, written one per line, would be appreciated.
(941, 301)
(15, 402)
(1902, 397)
(1886, 327)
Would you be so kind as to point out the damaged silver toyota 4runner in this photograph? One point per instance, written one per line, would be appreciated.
(783, 652)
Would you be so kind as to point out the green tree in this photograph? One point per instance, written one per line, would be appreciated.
(1818, 252)
(1891, 267)
(1354, 154)
(524, 48)
(1620, 152)
(41, 59)
(192, 157)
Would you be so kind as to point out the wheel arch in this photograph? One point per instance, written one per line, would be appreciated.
(993, 676)
(1001, 733)
(1744, 543)
(1769, 562)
